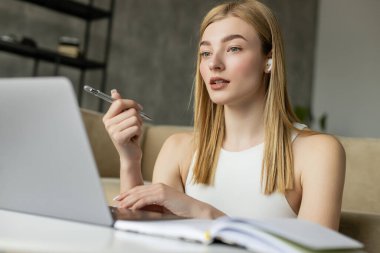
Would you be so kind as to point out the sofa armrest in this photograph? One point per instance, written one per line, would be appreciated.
(364, 227)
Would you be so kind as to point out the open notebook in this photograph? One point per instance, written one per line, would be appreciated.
(270, 235)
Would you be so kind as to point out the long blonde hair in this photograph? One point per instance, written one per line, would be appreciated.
(209, 130)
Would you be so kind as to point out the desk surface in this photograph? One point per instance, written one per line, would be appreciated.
(23, 232)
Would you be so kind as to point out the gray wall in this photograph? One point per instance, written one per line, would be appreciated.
(347, 82)
(153, 50)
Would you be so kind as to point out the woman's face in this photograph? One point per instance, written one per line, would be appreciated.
(232, 63)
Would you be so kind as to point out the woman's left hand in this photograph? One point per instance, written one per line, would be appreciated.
(168, 198)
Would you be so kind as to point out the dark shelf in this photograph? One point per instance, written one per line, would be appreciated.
(49, 55)
(73, 8)
(85, 12)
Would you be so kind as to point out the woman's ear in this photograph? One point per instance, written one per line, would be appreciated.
(268, 66)
(269, 63)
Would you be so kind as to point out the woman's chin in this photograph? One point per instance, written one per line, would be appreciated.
(219, 101)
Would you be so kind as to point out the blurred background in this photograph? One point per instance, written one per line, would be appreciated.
(146, 49)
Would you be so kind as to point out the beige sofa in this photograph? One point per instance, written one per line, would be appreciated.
(361, 200)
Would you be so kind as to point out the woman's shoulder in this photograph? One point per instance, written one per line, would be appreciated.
(180, 144)
(309, 141)
(318, 150)
(180, 139)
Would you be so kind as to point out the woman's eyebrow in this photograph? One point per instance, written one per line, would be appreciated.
(225, 39)
(232, 37)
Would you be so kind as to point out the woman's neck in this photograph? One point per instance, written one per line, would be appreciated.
(244, 126)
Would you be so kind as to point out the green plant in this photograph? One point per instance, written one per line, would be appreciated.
(305, 116)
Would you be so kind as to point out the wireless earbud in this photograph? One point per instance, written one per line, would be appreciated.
(269, 65)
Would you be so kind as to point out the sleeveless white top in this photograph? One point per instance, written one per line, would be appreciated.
(237, 189)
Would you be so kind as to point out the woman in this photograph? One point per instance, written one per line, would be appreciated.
(247, 156)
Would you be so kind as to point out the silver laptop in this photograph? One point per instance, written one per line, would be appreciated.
(46, 163)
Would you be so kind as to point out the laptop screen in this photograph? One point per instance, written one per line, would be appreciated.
(46, 163)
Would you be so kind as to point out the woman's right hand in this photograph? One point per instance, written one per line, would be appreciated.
(124, 125)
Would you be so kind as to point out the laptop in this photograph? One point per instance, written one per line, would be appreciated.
(46, 162)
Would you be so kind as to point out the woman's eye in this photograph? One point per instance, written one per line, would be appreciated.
(205, 54)
(234, 49)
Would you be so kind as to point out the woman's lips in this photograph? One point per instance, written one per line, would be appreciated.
(218, 83)
(218, 86)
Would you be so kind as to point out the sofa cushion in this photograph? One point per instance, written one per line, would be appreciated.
(362, 184)
(111, 188)
(106, 156)
(155, 137)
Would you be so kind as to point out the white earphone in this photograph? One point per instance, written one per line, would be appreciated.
(269, 65)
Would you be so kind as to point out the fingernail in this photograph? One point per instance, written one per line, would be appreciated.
(140, 106)
(113, 91)
(115, 198)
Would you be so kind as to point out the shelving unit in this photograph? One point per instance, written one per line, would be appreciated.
(73, 8)
(88, 13)
(49, 56)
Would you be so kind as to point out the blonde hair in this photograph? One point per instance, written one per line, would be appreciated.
(277, 167)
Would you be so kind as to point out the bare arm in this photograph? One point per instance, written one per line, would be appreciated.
(123, 124)
(322, 179)
(167, 189)
(174, 156)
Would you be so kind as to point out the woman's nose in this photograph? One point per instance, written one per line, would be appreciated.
(216, 63)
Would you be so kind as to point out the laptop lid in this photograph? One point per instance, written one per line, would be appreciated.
(46, 163)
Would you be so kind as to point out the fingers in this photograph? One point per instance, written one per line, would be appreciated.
(122, 120)
(142, 202)
(119, 105)
(160, 197)
(141, 196)
(131, 113)
(126, 131)
(123, 128)
(115, 94)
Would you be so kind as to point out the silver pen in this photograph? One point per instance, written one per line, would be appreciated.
(109, 99)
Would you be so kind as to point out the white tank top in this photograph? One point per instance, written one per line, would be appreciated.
(237, 189)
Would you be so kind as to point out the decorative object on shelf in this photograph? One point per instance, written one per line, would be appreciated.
(29, 42)
(13, 38)
(68, 46)
(23, 40)
(67, 56)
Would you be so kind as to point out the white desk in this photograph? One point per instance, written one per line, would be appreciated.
(23, 232)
